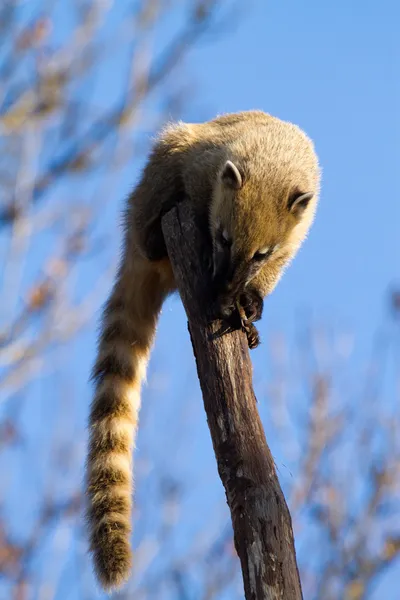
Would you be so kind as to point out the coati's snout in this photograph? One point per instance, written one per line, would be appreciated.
(230, 280)
(231, 274)
(224, 294)
(224, 290)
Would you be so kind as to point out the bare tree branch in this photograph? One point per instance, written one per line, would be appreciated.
(260, 517)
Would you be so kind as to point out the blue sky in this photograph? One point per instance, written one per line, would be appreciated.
(333, 69)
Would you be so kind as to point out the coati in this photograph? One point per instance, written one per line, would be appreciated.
(254, 181)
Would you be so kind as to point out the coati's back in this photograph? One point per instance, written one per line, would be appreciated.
(264, 145)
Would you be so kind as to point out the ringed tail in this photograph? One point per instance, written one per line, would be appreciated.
(128, 328)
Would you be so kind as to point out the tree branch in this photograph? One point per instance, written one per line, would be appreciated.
(260, 517)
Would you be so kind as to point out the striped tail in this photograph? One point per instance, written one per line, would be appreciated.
(129, 323)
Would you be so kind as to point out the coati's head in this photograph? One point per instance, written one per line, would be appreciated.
(264, 202)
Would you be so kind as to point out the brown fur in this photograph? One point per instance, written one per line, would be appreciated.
(276, 161)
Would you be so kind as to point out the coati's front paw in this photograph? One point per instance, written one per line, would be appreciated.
(252, 304)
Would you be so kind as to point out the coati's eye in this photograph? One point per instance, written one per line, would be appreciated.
(263, 253)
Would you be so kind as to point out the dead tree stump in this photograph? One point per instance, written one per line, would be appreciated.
(260, 517)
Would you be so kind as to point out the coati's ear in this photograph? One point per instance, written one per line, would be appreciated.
(298, 203)
(231, 176)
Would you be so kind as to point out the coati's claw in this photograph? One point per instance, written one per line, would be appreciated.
(253, 337)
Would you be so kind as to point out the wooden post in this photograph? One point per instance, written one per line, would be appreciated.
(260, 517)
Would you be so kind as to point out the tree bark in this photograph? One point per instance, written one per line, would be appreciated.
(260, 517)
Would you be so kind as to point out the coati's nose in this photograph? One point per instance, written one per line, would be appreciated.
(223, 276)
(227, 287)
(229, 276)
